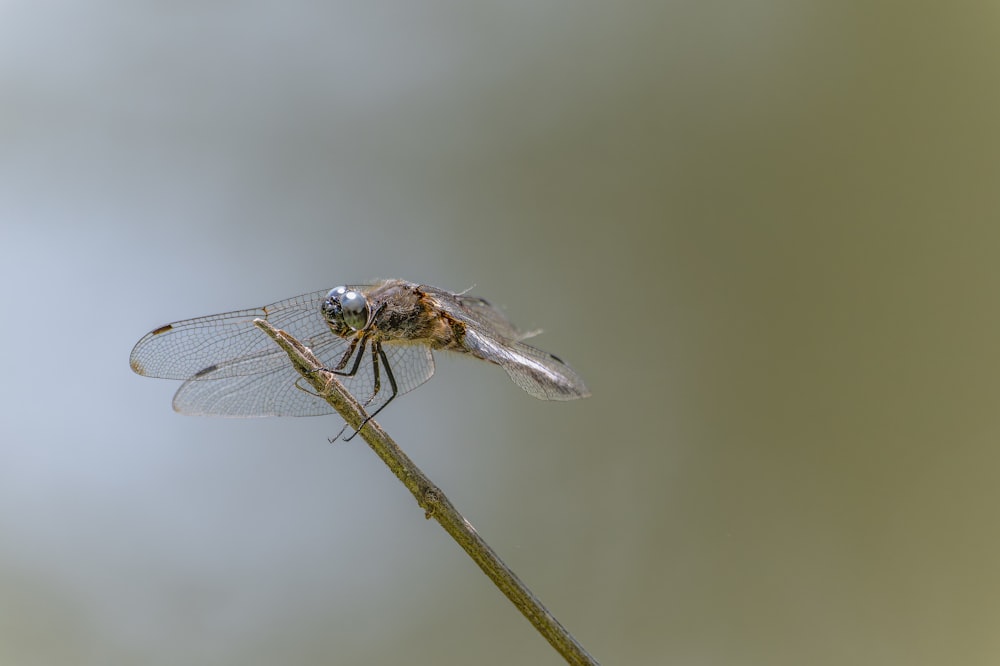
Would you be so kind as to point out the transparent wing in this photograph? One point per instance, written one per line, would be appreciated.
(192, 347)
(272, 393)
(490, 336)
(489, 316)
(238, 389)
(539, 373)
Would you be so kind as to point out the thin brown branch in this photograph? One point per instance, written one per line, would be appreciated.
(429, 497)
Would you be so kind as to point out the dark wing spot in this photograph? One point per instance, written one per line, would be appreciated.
(205, 371)
(162, 329)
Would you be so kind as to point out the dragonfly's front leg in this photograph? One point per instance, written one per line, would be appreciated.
(338, 369)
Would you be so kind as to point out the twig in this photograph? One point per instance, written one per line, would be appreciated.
(430, 498)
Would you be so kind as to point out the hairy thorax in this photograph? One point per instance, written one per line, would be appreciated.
(405, 314)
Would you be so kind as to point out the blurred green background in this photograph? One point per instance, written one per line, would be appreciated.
(765, 233)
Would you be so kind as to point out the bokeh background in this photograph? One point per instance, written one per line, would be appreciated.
(766, 233)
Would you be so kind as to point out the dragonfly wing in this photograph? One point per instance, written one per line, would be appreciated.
(489, 335)
(186, 348)
(478, 312)
(539, 373)
(486, 313)
(239, 388)
(272, 393)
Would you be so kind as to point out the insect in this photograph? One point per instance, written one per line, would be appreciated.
(377, 338)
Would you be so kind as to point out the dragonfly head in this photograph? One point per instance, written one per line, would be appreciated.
(346, 310)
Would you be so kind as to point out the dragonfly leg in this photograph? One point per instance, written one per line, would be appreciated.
(347, 355)
(377, 375)
(357, 359)
(378, 353)
(344, 359)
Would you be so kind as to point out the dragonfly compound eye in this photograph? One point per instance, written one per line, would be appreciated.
(337, 293)
(355, 308)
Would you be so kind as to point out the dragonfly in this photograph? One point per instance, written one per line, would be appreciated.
(377, 338)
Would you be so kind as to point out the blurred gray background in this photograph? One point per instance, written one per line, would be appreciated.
(765, 233)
